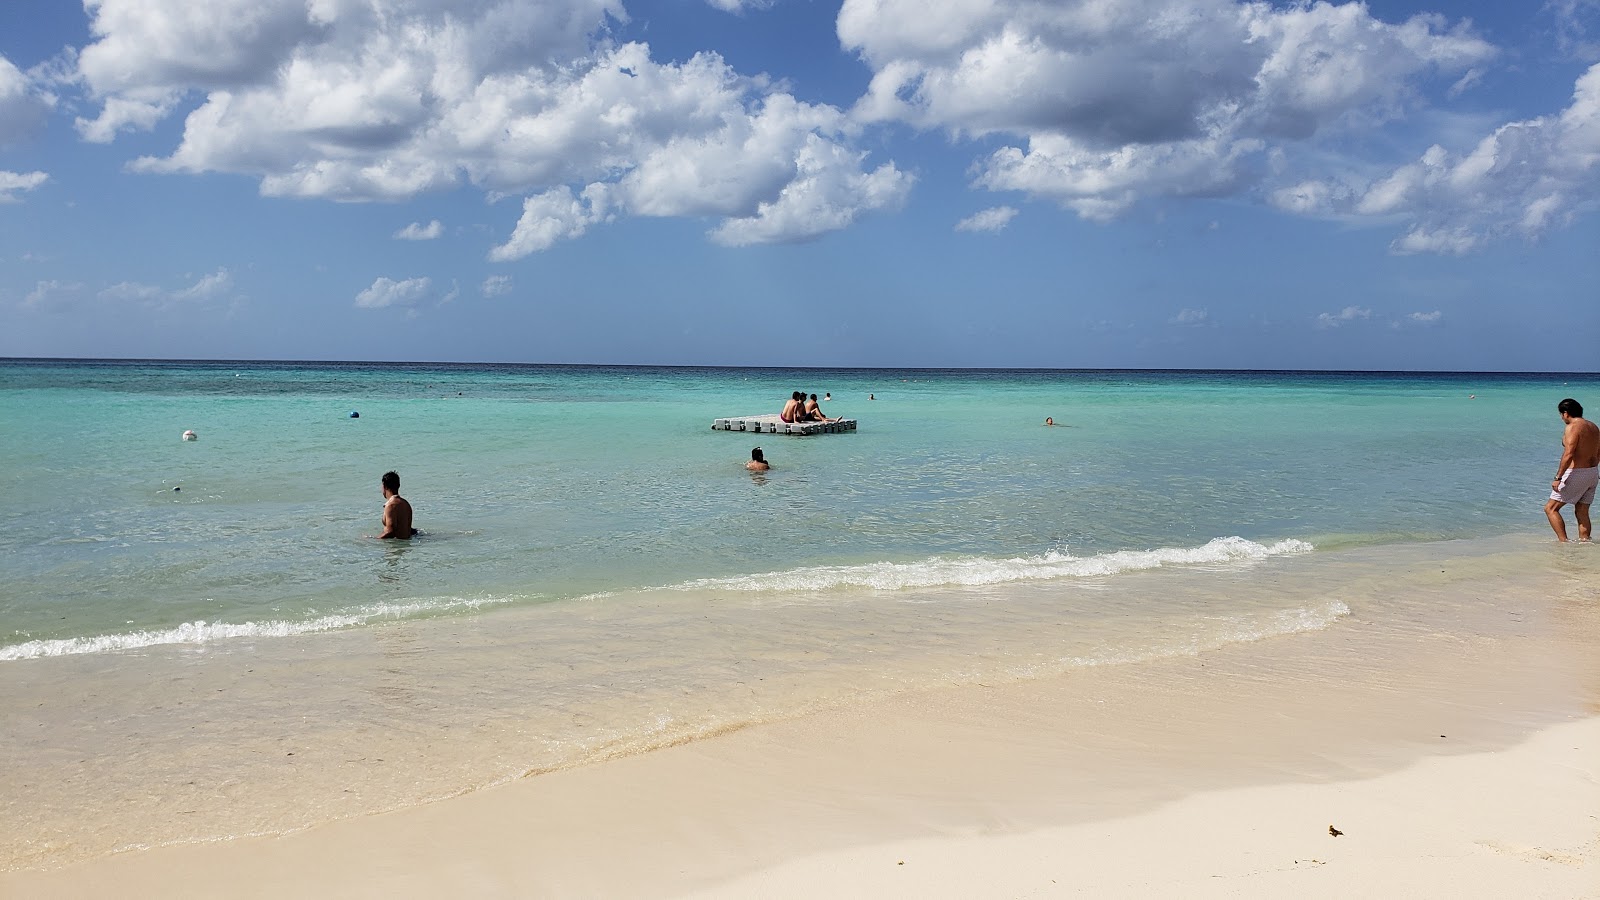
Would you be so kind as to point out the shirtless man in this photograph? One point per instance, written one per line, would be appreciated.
(792, 410)
(813, 412)
(1577, 473)
(758, 461)
(396, 511)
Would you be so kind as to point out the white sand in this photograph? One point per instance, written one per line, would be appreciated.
(1457, 766)
(1519, 823)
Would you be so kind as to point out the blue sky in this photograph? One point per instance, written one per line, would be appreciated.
(1097, 183)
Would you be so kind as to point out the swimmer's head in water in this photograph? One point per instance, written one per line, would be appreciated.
(757, 455)
(391, 482)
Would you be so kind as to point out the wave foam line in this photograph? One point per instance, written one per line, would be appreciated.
(202, 632)
(978, 571)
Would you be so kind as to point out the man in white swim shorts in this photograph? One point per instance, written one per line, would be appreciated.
(1577, 473)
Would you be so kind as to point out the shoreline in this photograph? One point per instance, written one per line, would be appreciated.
(1442, 689)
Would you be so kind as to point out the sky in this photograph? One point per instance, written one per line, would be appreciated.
(878, 183)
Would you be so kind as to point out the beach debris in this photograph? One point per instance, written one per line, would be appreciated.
(1334, 831)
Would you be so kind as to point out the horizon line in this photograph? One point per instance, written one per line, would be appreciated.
(840, 368)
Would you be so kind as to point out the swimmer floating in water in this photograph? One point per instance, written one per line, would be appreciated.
(758, 461)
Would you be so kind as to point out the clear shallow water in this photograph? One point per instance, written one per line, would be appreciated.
(600, 575)
(548, 484)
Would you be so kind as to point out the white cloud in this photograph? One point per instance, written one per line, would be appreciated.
(1577, 27)
(829, 192)
(417, 231)
(739, 6)
(1425, 318)
(13, 182)
(388, 292)
(1113, 101)
(389, 98)
(1523, 179)
(496, 285)
(993, 219)
(51, 293)
(22, 107)
(1344, 316)
(215, 287)
(553, 216)
(1190, 317)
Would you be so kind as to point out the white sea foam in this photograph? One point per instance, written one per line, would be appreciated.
(976, 571)
(209, 632)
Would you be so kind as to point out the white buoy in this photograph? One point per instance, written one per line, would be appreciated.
(190, 436)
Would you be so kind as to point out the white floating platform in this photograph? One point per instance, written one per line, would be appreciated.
(774, 425)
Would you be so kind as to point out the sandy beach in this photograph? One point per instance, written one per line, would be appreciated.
(1452, 740)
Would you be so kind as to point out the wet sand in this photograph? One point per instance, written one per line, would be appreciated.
(1449, 734)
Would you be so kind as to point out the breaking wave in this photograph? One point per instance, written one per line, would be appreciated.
(978, 571)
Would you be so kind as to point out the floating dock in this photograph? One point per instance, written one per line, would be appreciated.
(774, 425)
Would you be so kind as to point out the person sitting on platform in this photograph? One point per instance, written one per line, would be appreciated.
(792, 411)
(813, 412)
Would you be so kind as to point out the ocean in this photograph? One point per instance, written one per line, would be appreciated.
(599, 574)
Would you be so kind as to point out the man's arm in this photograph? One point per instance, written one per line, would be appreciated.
(388, 521)
(1569, 451)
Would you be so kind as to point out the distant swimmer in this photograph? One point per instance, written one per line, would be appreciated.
(1049, 421)
(190, 436)
(871, 397)
(1577, 473)
(396, 511)
(828, 397)
(758, 461)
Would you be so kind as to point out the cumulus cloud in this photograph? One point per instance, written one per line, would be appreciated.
(496, 285)
(828, 193)
(11, 183)
(385, 99)
(388, 292)
(1103, 104)
(1191, 317)
(1425, 318)
(217, 286)
(1523, 179)
(417, 231)
(22, 107)
(551, 216)
(993, 219)
(1343, 317)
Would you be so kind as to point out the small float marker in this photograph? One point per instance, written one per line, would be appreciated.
(190, 436)
(354, 414)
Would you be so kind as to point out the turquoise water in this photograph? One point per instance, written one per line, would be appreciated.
(548, 485)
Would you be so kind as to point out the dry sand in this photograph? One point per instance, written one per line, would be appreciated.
(1457, 761)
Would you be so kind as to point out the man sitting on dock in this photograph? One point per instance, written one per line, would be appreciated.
(813, 412)
(793, 411)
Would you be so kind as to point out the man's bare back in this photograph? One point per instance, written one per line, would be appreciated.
(396, 511)
(1582, 438)
(397, 519)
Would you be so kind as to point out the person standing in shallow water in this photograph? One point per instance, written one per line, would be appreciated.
(1577, 473)
(396, 511)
